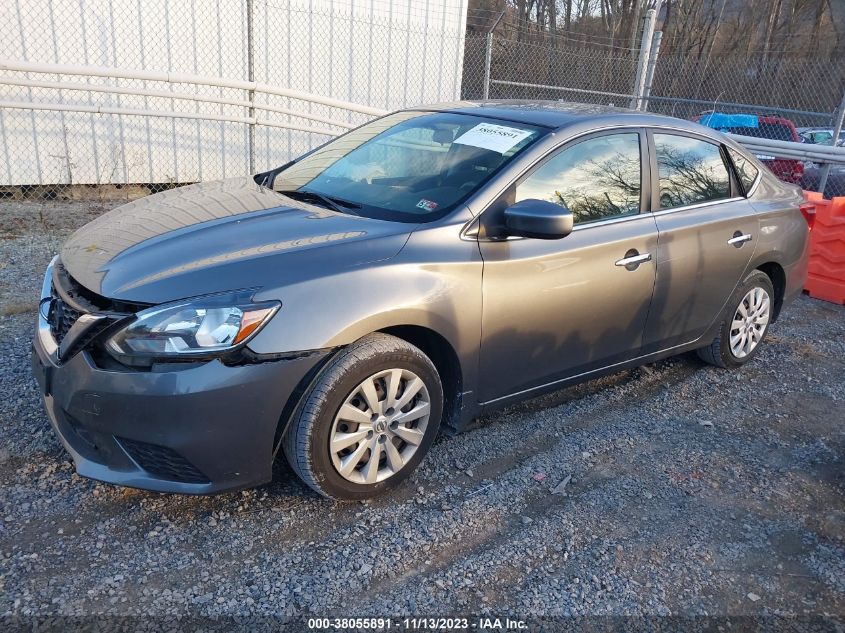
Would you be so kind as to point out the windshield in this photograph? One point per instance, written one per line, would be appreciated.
(408, 166)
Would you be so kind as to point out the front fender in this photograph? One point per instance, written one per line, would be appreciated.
(434, 283)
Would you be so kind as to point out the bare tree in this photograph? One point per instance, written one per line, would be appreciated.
(702, 28)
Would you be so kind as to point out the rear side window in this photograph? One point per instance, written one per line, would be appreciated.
(596, 179)
(690, 171)
(746, 172)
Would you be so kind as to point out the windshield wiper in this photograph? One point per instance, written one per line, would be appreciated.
(336, 204)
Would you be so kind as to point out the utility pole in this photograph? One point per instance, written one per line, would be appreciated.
(488, 55)
(837, 130)
(250, 69)
(652, 62)
(645, 51)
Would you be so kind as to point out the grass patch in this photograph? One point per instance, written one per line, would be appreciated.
(11, 309)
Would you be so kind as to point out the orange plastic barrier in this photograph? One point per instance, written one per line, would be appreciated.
(826, 271)
(808, 209)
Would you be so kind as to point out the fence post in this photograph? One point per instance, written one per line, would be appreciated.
(488, 55)
(837, 130)
(250, 69)
(652, 63)
(645, 49)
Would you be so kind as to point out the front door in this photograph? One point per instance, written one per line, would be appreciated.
(707, 233)
(553, 309)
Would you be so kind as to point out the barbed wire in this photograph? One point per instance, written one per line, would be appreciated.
(425, 24)
(508, 22)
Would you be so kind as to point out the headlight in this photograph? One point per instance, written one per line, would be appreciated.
(196, 327)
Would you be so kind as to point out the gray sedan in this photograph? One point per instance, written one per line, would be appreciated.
(425, 268)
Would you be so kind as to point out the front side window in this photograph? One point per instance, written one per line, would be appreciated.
(745, 170)
(595, 179)
(690, 171)
(408, 166)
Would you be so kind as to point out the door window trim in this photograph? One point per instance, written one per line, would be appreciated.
(614, 220)
(755, 184)
(735, 188)
(697, 205)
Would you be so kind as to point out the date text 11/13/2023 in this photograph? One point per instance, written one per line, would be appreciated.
(418, 624)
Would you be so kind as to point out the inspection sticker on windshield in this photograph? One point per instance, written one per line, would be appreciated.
(428, 205)
(498, 138)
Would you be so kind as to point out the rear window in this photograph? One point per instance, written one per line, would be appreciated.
(776, 131)
(745, 170)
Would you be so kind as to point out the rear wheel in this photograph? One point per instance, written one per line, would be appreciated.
(746, 322)
(368, 421)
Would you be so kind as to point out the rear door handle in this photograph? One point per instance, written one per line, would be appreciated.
(633, 259)
(739, 239)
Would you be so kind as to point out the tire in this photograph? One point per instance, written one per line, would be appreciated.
(376, 360)
(721, 352)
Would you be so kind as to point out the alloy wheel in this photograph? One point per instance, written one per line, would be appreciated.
(379, 426)
(749, 322)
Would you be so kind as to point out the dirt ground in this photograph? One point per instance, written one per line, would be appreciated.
(694, 492)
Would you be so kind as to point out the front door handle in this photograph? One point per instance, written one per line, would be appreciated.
(739, 239)
(633, 259)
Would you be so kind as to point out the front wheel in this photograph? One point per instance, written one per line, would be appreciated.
(746, 321)
(368, 420)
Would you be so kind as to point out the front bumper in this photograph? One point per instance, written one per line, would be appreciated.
(200, 429)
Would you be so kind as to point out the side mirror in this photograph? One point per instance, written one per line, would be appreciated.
(539, 219)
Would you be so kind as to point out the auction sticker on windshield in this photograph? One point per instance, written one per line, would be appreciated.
(498, 138)
(427, 205)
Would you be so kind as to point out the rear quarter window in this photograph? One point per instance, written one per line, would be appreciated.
(745, 170)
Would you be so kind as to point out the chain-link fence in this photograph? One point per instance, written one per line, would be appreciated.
(792, 98)
(158, 93)
(807, 89)
(795, 98)
(116, 98)
(549, 70)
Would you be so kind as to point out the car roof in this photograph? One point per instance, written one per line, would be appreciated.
(561, 114)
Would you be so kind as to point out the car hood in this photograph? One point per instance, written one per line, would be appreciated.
(220, 236)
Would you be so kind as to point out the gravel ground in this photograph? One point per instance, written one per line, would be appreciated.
(693, 491)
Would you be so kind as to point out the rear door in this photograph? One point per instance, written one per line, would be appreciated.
(707, 234)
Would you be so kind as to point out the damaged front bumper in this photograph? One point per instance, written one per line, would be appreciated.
(192, 428)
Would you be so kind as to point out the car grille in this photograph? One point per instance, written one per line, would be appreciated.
(69, 301)
(61, 318)
(162, 462)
